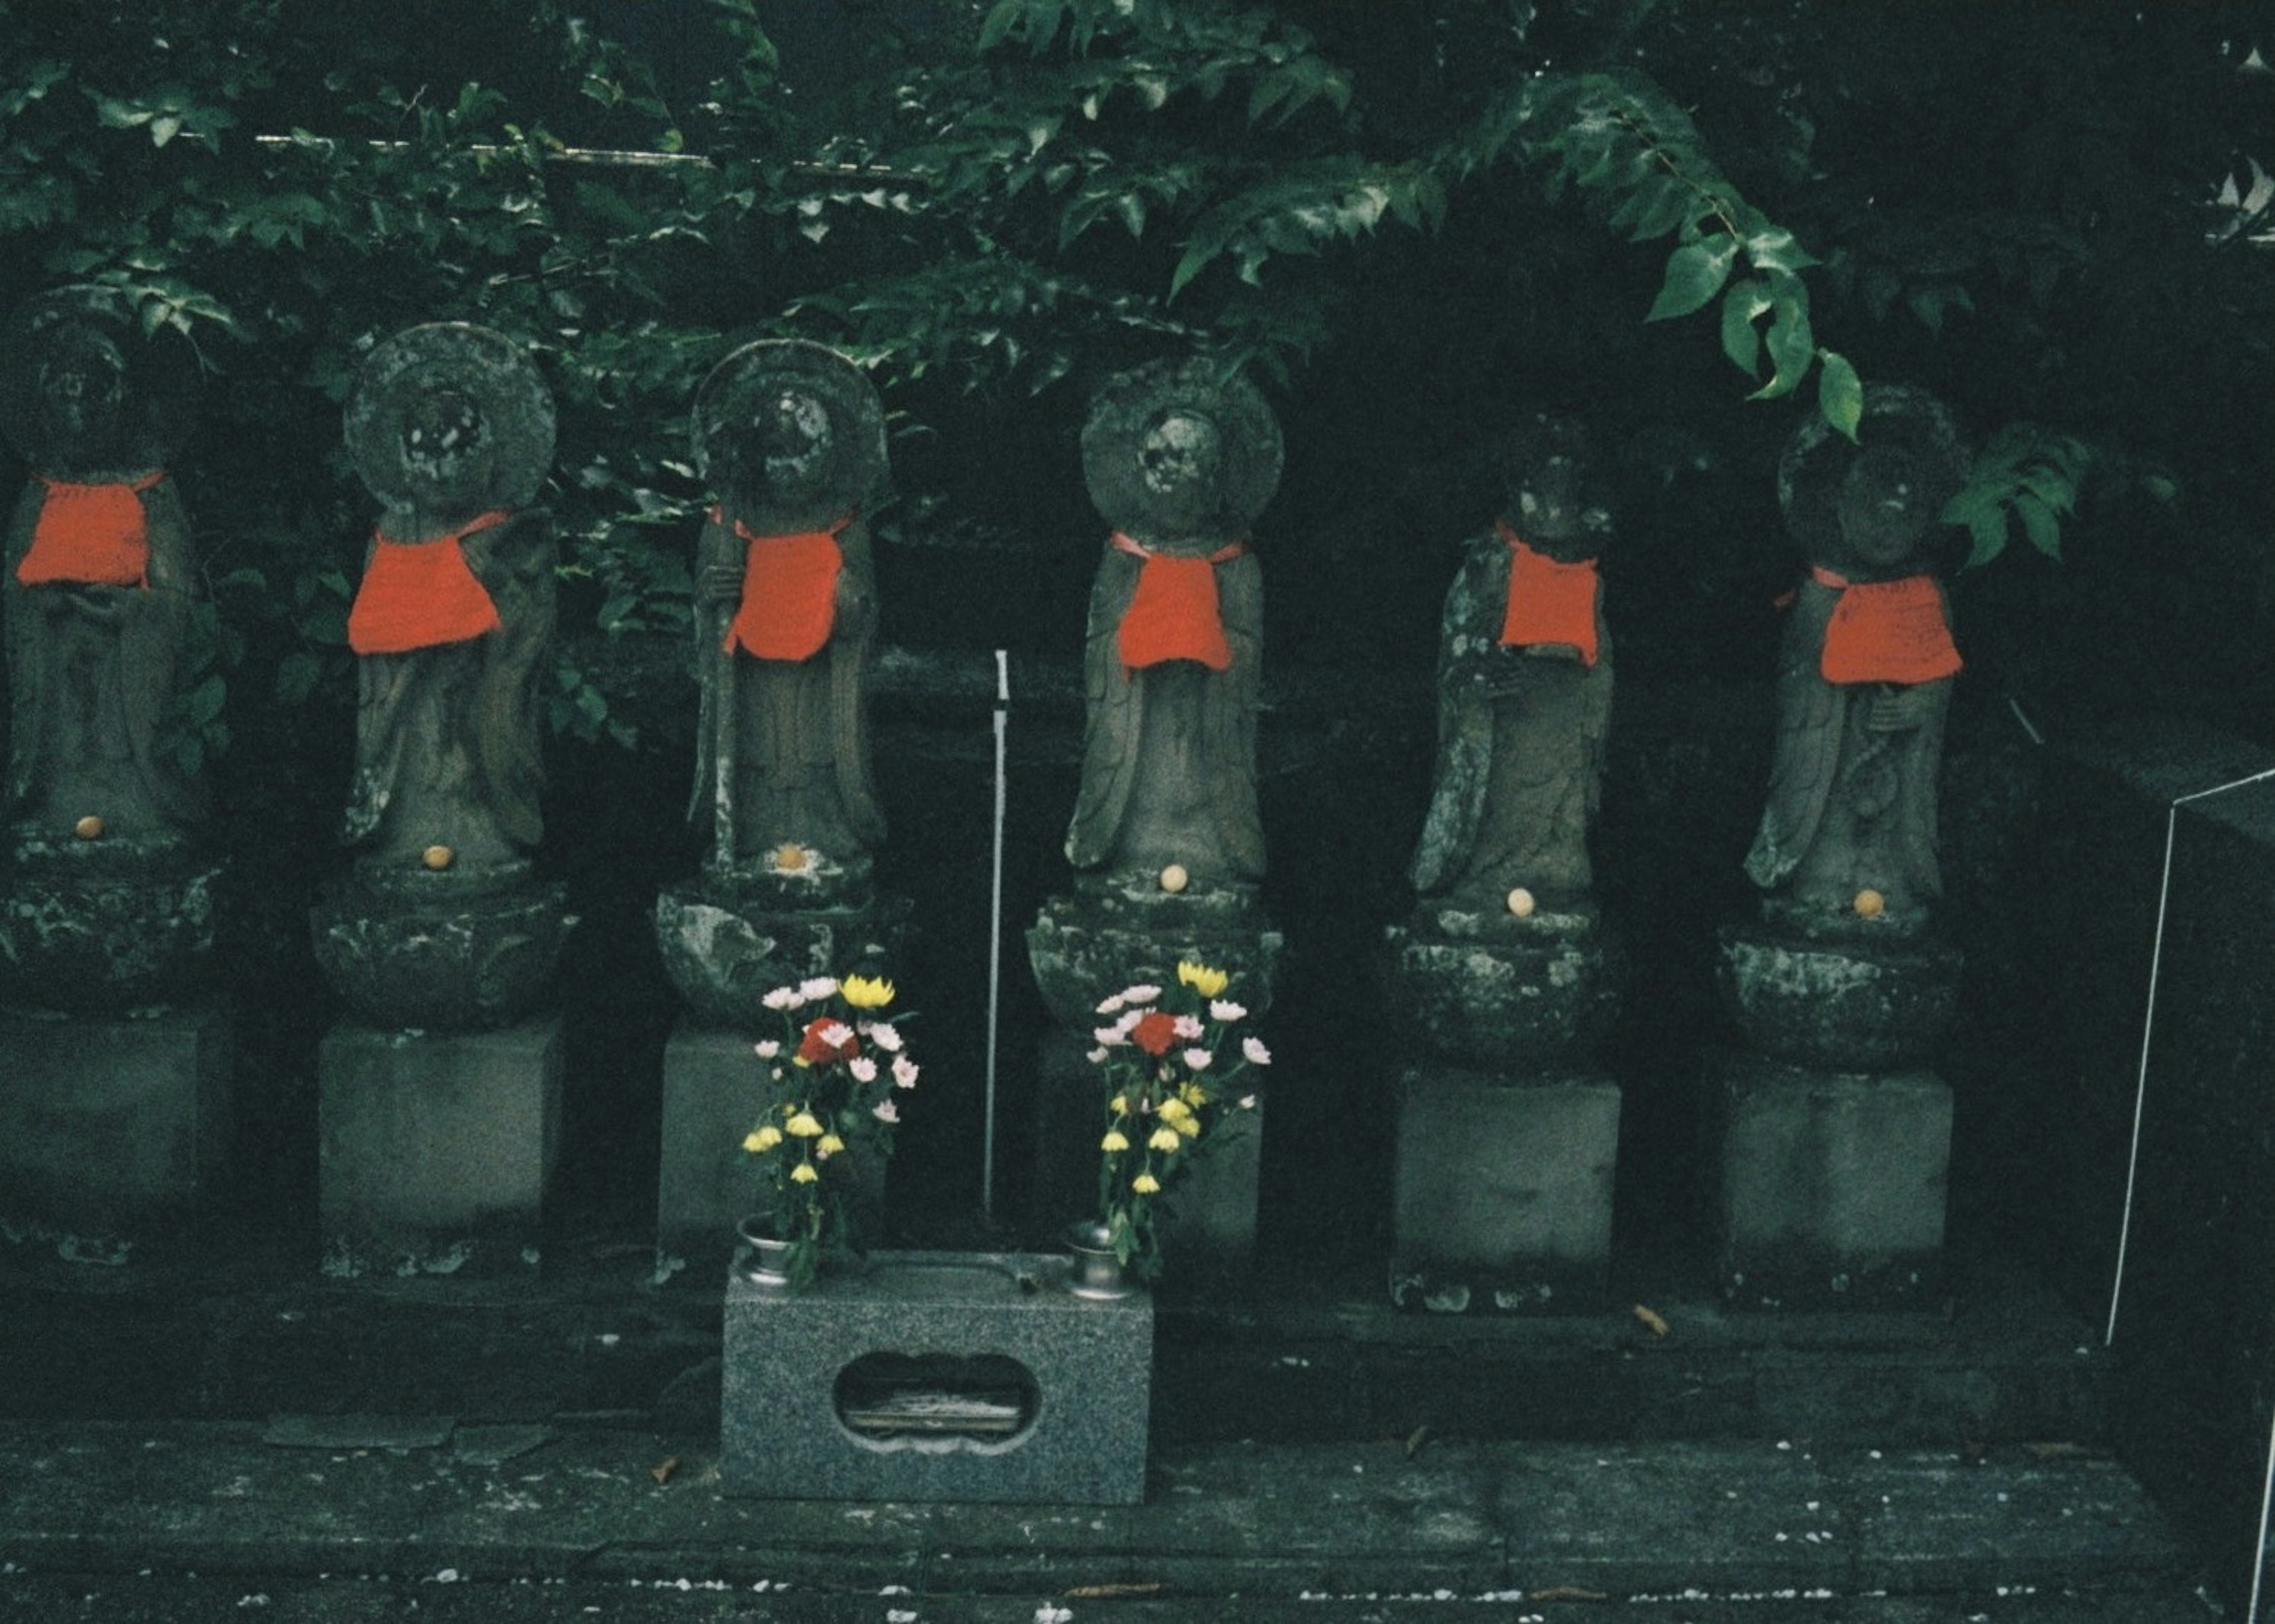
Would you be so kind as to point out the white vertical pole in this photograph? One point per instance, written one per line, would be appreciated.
(2259, 1557)
(995, 935)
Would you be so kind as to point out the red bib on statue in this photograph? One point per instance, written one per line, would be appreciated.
(1887, 631)
(789, 594)
(89, 535)
(1549, 601)
(421, 594)
(1174, 614)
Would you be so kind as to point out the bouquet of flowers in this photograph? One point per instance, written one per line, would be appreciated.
(1169, 1058)
(833, 1083)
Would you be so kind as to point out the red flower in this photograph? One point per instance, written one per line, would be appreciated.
(826, 1039)
(1155, 1033)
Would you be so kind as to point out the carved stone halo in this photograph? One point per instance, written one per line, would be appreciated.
(85, 393)
(1898, 418)
(451, 420)
(791, 434)
(1181, 450)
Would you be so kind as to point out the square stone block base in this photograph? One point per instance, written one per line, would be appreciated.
(704, 1178)
(111, 1131)
(1503, 1192)
(436, 1149)
(1832, 1183)
(1208, 1234)
(935, 1375)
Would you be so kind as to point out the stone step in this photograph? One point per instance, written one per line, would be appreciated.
(1288, 1361)
(1707, 1532)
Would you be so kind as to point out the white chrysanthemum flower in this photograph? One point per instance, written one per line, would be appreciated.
(837, 1034)
(1248, 1102)
(886, 1110)
(1253, 1050)
(1110, 1006)
(864, 1069)
(884, 1035)
(1109, 1037)
(1128, 1023)
(782, 998)
(768, 1048)
(904, 1071)
(820, 987)
(1225, 1010)
(1198, 1059)
(1096, 1057)
(1188, 1027)
(1142, 994)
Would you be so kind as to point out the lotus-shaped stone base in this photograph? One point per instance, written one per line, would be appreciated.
(456, 950)
(103, 925)
(1851, 1003)
(725, 948)
(1489, 989)
(1087, 945)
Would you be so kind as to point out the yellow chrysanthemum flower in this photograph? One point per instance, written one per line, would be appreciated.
(1176, 1111)
(1193, 1094)
(1164, 1139)
(1114, 1141)
(806, 1125)
(1119, 1105)
(803, 1174)
(867, 991)
(828, 1145)
(763, 1138)
(1207, 982)
(1146, 1184)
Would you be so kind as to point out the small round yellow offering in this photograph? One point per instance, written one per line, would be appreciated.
(89, 827)
(1521, 903)
(1174, 879)
(1869, 904)
(438, 858)
(790, 858)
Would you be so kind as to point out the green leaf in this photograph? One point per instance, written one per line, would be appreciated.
(1745, 304)
(1791, 344)
(2039, 523)
(164, 128)
(1694, 274)
(1839, 393)
(1988, 527)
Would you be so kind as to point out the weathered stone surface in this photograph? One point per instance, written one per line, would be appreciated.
(111, 1129)
(435, 1149)
(1494, 992)
(1066, 1382)
(724, 952)
(1504, 1192)
(426, 952)
(1851, 1003)
(1089, 944)
(1832, 1184)
(102, 926)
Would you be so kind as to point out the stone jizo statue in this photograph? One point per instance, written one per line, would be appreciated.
(1180, 460)
(101, 575)
(791, 437)
(1524, 691)
(1864, 670)
(451, 428)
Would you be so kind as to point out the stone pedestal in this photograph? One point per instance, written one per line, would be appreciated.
(111, 1130)
(103, 927)
(936, 1376)
(1831, 1184)
(1508, 1136)
(436, 1149)
(704, 1181)
(1089, 944)
(726, 947)
(1504, 1191)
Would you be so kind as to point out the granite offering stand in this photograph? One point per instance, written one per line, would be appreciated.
(791, 437)
(930, 1376)
(439, 1098)
(1833, 1137)
(1503, 977)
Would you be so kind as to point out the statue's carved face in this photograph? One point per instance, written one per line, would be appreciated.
(83, 391)
(1884, 509)
(1555, 511)
(790, 440)
(1182, 455)
(444, 437)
